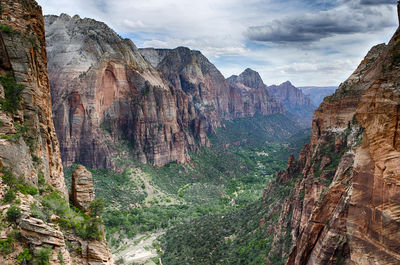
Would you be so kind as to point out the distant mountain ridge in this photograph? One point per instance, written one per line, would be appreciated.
(318, 93)
(294, 100)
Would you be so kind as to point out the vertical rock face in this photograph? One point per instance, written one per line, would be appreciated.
(82, 188)
(346, 198)
(28, 144)
(104, 91)
(29, 148)
(249, 96)
(213, 97)
(189, 71)
(293, 99)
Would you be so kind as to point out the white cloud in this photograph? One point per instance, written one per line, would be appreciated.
(217, 28)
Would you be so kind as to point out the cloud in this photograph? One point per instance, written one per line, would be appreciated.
(313, 27)
(310, 42)
(377, 2)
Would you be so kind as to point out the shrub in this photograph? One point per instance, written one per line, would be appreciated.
(13, 213)
(8, 177)
(60, 258)
(6, 28)
(24, 257)
(96, 207)
(5, 246)
(27, 189)
(53, 203)
(9, 196)
(12, 91)
(37, 212)
(42, 257)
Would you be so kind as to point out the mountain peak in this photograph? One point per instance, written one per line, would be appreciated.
(287, 83)
(251, 78)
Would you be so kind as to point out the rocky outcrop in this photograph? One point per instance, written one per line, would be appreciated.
(346, 196)
(294, 100)
(249, 96)
(32, 180)
(28, 143)
(82, 188)
(104, 92)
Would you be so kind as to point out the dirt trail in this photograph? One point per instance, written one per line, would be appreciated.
(138, 249)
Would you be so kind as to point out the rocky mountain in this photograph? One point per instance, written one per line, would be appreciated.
(250, 95)
(104, 91)
(294, 100)
(317, 93)
(213, 96)
(344, 205)
(106, 94)
(37, 224)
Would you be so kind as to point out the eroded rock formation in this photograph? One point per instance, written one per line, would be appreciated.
(249, 96)
(104, 91)
(32, 180)
(294, 100)
(105, 94)
(344, 205)
(82, 188)
(28, 143)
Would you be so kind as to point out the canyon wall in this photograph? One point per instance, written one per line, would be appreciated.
(250, 96)
(109, 95)
(105, 94)
(32, 179)
(344, 205)
(213, 97)
(28, 143)
(294, 100)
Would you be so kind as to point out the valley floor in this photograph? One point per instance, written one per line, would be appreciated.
(151, 211)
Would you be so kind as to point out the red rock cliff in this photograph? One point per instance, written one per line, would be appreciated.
(213, 97)
(294, 100)
(105, 94)
(30, 163)
(346, 198)
(28, 143)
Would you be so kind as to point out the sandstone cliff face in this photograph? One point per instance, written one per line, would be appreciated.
(249, 96)
(104, 91)
(294, 100)
(28, 141)
(213, 97)
(344, 205)
(30, 164)
(189, 71)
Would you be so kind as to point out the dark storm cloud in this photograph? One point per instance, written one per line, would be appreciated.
(377, 2)
(316, 26)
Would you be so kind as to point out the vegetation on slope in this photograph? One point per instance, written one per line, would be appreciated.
(224, 180)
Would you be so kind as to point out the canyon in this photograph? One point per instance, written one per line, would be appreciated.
(177, 152)
(161, 102)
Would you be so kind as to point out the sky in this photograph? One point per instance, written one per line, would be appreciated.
(309, 42)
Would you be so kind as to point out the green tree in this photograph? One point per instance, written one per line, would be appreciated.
(96, 207)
